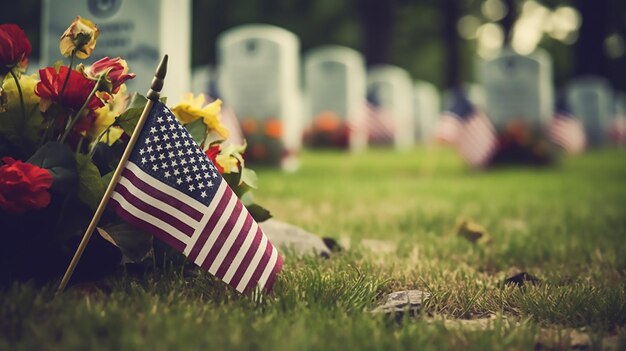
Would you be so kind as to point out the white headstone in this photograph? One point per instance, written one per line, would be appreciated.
(518, 88)
(335, 84)
(427, 109)
(202, 77)
(477, 95)
(139, 31)
(591, 100)
(393, 88)
(259, 78)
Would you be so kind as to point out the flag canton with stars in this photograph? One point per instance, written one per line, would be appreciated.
(166, 151)
(460, 105)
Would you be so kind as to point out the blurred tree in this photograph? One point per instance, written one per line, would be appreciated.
(377, 20)
(590, 57)
(419, 35)
(451, 10)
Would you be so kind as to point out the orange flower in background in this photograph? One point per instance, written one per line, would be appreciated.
(327, 121)
(273, 128)
(518, 131)
(14, 48)
(115, 72)
(23, 186)
(79, 38)
(249, 126)
(76, 92)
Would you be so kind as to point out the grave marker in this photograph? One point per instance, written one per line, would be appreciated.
(427, 109)
(335, 87)
(591, 100)
(139, 31)
(258, 77)
(518, 88)
(392, 89)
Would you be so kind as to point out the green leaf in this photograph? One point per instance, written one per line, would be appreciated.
(90, 185)
(249, 178)
(106, 179)
(60, 161)
(24, 133)
(135, 244)
(128, 120)
(258, 213)
(246, 198)
(198, 130)
(233, 179)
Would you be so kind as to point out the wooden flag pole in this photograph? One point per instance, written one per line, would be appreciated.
(153, 95)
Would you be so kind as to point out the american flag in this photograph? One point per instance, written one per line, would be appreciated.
(470, 131)
(171, 189)
(567, 131)
(618, 129)
(378, 122)
(448, 128)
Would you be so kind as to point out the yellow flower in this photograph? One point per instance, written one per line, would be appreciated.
(230, 158)
(80, 37)
(106, 116)
(11, 97)
(228, 163)
(191, 109)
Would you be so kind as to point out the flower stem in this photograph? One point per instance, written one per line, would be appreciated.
(80, 145)
(19, 91)
(67, 77)
(93, 147)
(73, 121)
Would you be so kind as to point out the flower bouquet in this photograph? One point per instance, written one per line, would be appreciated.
(328, 131)
(62, 134)
(518, 143)
(265, 144)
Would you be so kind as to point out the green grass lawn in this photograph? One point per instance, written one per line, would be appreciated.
(565, 225)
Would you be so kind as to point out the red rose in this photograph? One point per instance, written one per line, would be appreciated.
(14, 47)
(212, 154)
(23, 186)
(115, 72)
(76, 92)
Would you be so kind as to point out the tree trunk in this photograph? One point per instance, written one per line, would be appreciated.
(450, 11)
(377, 23)
(590, 55)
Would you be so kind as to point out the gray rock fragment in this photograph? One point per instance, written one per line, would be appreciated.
(289, 238)
(400, 302)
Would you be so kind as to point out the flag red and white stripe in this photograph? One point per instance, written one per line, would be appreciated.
(449, 128)
(567, 132)
(618, 130)
(172, 190)
(476, 141)
(379, 125)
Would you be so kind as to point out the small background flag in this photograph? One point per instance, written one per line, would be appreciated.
(171, 189)
(565, 130)
(469, 130)
(378, 122)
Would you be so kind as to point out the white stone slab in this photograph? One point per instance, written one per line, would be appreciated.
(591, 100)
(518, 88)
(392, 87)
(139, 31)
(335, 82)
(259, 77)
(427, 109)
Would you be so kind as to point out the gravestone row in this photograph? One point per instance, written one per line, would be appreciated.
(339, 101)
